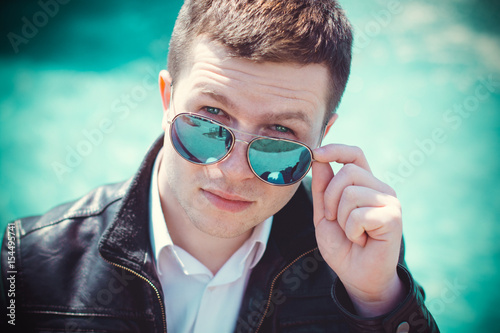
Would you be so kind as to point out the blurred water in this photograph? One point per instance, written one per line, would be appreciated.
(79, 107)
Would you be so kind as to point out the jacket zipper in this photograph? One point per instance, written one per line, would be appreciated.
(274, 282)
(151, 284)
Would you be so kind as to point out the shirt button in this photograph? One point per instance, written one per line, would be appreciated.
(404, 327)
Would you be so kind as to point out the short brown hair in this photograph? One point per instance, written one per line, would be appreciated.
(297, 31)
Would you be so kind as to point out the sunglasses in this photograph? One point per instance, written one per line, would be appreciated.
(204, 141)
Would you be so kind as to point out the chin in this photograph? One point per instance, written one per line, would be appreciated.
(228, 226)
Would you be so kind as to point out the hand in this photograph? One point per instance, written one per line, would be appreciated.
(358, 228)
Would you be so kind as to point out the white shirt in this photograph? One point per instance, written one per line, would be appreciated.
(195, 300)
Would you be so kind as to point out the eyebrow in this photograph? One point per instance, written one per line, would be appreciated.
(218, 97)
(286, 115)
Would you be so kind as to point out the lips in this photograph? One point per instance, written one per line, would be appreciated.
(226, 201)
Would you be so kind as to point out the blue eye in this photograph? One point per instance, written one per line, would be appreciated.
(282, 129)
(213, 110)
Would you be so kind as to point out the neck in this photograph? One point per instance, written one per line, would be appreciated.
(211, 251)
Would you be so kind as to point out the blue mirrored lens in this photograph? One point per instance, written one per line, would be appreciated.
(198, 140)
(279, 162)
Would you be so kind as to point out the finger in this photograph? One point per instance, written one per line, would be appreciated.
(376, 223)
(349, 175)
(341, 154)
(358, 196)
(322, 174)
(331, 239)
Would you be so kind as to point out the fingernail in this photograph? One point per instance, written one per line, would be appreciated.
(319, 150)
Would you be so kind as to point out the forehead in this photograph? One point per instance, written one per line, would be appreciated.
(300, 87)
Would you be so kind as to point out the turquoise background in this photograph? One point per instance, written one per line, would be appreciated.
(89, 71)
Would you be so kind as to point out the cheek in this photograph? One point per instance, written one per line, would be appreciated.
(176, 167)
(182, 172)
(278, 197)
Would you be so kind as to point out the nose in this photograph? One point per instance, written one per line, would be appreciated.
(235, 166)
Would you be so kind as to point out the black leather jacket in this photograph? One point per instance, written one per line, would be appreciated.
(87, 266)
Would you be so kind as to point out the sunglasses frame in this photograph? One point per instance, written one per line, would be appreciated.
(233, 143)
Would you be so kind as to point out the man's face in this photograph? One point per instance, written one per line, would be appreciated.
(274, 99)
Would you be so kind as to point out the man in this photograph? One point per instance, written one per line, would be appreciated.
(211, 234)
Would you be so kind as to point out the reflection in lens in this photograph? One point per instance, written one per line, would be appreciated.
(279, 161)
(198, 140)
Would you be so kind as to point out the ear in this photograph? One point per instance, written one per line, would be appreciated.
(164, 82)
(330, 123)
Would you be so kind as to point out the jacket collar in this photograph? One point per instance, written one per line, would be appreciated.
(126, 240)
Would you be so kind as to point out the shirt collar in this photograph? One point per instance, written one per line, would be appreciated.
(259, 238)
(159, 234)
